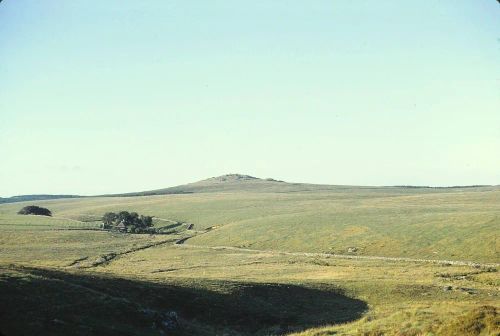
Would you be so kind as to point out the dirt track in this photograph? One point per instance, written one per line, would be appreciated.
(346, 256)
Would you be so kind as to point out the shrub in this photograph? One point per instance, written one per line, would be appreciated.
(34, 210)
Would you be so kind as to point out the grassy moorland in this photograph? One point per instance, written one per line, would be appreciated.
(445, 223)
(244, 269)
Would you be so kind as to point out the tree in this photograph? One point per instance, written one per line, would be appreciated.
(134, 218)
(146, 221)
(34, 210)
(133, 222)
(124, 217)
(109, 218)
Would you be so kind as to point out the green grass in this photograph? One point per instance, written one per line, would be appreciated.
(454, 224)
(46, 264)
(61, 247)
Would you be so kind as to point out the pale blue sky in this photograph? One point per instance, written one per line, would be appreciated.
(116, 96)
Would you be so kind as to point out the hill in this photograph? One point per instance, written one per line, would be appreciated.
(242, 211)
(246, 183)
(230, 183)
(457, 223)
(247, 263)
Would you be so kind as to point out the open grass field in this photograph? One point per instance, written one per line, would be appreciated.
(257, 262)
(454, 223)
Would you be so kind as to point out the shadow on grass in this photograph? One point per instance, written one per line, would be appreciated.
(37, 301)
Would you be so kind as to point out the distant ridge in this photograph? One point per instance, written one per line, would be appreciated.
(27, 198)
(449, 187)
(248, 183)
(244, 183)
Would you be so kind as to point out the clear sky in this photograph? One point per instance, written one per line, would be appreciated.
(116, 96)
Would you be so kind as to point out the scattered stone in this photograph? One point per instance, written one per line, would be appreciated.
(100, 260)
(447, 288)
(77, 261)
(57, 321)
(166, 323)
(469, 291)
(104, 258)
(352, 250)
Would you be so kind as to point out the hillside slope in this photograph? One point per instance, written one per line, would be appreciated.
(456, 224)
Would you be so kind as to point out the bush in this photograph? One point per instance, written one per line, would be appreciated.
(34, 210)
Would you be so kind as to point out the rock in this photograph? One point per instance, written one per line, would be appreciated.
(352, 250)
(100, 260)
(469, 291)
(167, 322)
(104, 258)
(447, 288)
(149, 312)
(57, 321)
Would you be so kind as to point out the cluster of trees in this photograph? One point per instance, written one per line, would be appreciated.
(127, 221)
(34, 210)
